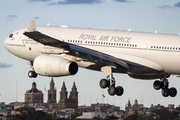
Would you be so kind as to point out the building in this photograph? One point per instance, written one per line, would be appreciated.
(107, 108)
(72, 101)
(52, 93)
(33, 95)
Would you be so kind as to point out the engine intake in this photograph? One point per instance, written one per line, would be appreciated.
(54, 66)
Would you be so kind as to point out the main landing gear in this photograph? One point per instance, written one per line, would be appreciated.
(164, 85)
(32, 74)
(110, 83)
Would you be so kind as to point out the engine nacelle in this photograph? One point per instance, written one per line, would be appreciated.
(54, 66)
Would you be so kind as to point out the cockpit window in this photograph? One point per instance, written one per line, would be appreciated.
(11, 35)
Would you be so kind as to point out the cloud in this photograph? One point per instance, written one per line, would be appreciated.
(36, 18)
(121, 0)
(12, 16)
(165, 6)
(4, 65)
(177, 4)
(38, 0)
(169, 6)
(77, 2)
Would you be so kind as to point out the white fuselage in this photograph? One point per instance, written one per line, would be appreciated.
(157, 51)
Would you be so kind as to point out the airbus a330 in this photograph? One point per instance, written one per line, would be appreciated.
(59, 51)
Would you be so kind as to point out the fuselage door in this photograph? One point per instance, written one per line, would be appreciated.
(146, 47)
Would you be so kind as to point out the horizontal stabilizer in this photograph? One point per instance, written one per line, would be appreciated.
(32, 26)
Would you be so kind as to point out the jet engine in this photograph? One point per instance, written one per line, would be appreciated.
(54, 66)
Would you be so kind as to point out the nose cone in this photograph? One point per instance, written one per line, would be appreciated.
(5, 43)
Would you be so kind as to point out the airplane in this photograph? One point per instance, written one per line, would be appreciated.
(59, 51)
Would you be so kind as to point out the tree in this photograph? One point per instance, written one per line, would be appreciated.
(96, 118)
(29, 113)
(112, 117)
(162, 114)
(74, 115)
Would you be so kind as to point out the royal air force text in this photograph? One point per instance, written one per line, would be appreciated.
(105, 38)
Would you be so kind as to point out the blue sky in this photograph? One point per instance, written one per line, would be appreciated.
(139, 15)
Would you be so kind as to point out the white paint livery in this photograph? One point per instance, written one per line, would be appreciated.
(52, 50)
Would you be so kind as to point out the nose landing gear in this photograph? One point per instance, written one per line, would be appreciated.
(32, 74)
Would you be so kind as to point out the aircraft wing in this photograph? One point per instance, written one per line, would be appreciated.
(82, 52)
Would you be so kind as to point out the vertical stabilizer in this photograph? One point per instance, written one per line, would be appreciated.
(32, 26)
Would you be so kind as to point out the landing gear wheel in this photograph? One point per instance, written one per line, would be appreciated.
(112, 90)
(173, 92)
(119, 90)
(157, 85)
(32, 74)
(165, 92)
(104, 83)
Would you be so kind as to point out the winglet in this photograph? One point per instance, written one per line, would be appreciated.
(32, 26)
